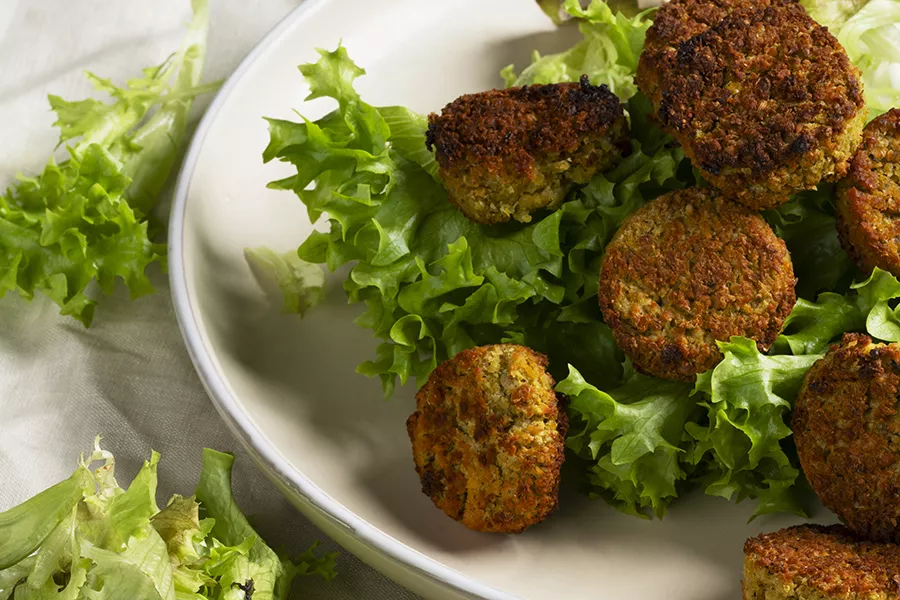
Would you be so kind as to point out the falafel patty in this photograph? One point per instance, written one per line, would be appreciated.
(488, 438)
(503, 154)
(675, 22)
(690, 268)
(813, 562)
(846, 429)
(868, 199)
(765, 103)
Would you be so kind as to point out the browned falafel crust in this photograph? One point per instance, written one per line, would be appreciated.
(503, 154)
(488, 438)
(813, 562)
(675, 22)
(765, 103)
(868, 199)
(690, 268)
(846, 429)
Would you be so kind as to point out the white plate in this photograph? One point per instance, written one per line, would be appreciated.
(288, 387)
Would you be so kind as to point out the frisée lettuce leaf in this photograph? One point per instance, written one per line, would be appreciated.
(870, 32)
(608, 54)
(88, 538)
(85, 219)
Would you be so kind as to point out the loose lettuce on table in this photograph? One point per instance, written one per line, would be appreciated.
(88, 538)
(86, 218)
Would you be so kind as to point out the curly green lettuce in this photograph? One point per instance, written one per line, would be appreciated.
(870, 32)
(608, 54)
(88, 538)
(85, 219)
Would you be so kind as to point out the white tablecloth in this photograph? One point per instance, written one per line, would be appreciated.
(128, 376)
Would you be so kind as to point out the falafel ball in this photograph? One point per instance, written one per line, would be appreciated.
(503, 154)
(846, 429)
(868, 199)
(765, 103)
(488, 438)
(690, 268)
(675, 22)
(813, 562)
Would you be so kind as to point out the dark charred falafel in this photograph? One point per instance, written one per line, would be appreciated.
(503, 154)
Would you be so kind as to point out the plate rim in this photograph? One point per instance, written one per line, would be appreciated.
(213, 381)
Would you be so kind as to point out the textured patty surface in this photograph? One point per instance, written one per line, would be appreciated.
(675, 22)
(690, 268)
(503, 154)
(847, 433)
(868, 199)
(488, 438)
(812, 562)
(765, 103)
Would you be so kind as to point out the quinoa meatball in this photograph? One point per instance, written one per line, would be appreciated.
(488, 438)
(846, 429)
(868, 200)
(765, 103)
(503, 154)
(675, 22)
(812, 562)
(690, 268)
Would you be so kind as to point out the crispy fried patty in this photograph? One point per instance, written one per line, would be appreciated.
(847, 431)
(675, 22)
(503, 154)
(690, 268)
(765, 103)
(488, 438)
(812, 562)
(868, 199)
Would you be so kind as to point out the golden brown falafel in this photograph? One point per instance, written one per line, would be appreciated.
(868, 199)
(765, 103)
(812, 562)
(488, 438)
(503, 154)
(675, 22)
(686, 270)
(846, 429)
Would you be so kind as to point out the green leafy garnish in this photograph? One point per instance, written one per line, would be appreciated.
(608, 54)
(88, 538)
(85, 219)
(301, 284)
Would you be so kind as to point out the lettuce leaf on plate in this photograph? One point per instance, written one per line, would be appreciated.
(300, 284)
(608, 54)
(870, 32)
(88, 538)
